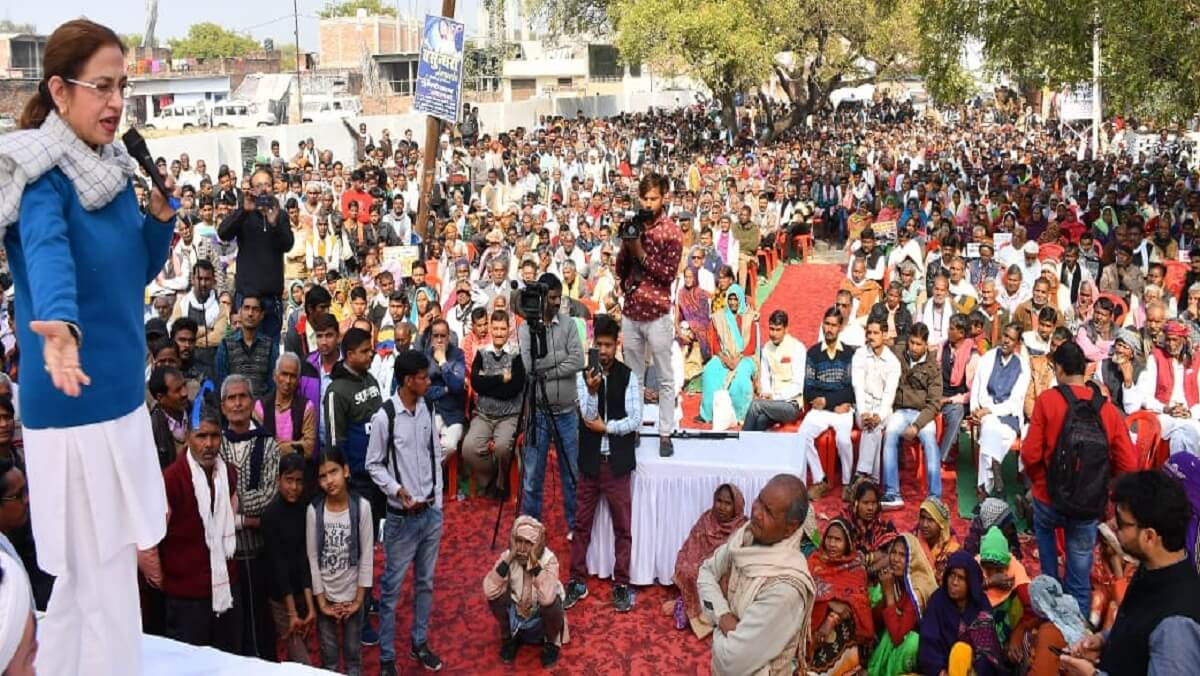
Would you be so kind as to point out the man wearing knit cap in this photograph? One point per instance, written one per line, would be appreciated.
(1176, 397)
(1125, 374)
(524, 593)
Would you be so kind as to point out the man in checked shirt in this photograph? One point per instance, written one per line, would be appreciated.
(647, 322)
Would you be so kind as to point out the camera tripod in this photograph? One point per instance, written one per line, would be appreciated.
(533, 400)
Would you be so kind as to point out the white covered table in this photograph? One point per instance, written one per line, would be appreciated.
(669, 494)
(165, 656)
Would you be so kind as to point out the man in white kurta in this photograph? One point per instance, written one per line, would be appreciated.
(875, 375)
(998, 402)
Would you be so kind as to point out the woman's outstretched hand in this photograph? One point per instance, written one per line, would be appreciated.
(61, 354)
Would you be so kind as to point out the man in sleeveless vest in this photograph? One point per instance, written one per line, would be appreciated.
(611, 406)
(998, 403)
(780, 393)
(1177, 389)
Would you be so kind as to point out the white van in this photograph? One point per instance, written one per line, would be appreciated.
(179, 116)
(240, 114)
(326, 109)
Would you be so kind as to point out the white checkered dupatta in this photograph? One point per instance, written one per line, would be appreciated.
(26, 155)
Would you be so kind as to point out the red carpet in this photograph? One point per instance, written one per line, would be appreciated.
(644, 641)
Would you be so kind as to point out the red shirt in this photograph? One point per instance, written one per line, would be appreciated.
(1049, 412)
(664, 249)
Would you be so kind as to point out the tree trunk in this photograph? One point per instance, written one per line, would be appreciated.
(728, 112)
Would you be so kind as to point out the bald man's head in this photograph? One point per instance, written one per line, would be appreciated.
(779, 510)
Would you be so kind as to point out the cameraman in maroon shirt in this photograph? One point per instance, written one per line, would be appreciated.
(647, 266)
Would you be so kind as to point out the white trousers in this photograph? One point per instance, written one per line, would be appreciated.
(814, 424)
(995, 440)
(96, 495)
(1182, 433)
(870, 445)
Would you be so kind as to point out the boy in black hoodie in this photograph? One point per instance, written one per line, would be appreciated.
(352, 398)
(290, 585)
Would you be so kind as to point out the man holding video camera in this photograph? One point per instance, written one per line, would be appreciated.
(651, 247)
(557, 372)
(263, 236)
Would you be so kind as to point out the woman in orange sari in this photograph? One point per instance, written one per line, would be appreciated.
(934, 534)
(841, 616)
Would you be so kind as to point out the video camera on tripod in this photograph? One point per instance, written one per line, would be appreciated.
(531, 304)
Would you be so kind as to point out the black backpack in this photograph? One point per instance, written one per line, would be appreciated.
(1078, 476)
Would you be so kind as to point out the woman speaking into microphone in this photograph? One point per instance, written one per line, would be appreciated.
(81, 254)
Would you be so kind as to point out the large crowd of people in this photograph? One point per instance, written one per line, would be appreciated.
(315, 363)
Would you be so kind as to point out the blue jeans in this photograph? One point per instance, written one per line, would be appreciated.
(408, 539)
(952, 417)
(535, 464)
(1080, 541)
(897, 423)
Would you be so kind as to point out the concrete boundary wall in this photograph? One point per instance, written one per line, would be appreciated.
(224, 146)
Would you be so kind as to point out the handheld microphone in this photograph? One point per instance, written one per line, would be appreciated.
(135, 145)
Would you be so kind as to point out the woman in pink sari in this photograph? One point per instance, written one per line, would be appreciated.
(693, 307)
(712, 529)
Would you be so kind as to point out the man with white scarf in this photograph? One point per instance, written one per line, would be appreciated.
(525, 595)
(201, 502)
(201, 305)
(762, 622)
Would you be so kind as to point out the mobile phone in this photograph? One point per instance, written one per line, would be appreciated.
(263, 201)
(593, 360)
(1057, 651)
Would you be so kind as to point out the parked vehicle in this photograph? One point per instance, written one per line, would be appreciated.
(240, 114)
(179, 116)
(332, 108)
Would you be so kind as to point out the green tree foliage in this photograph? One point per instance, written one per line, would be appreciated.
(209, 41)
(9, 26)
(719, 42)
(1150, 49)
(132, 40)
(350, 8)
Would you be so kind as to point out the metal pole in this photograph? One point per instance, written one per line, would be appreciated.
(431, 143)
(1097, 109)
(296, 65)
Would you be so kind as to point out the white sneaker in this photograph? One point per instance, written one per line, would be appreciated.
(893, 504)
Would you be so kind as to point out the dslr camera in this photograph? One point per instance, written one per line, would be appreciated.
(635, 224)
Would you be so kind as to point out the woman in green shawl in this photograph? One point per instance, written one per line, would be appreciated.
(734, 340)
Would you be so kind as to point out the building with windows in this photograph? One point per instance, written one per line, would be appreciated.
(21, 55)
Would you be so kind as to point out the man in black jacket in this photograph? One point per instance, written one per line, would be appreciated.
(1158, 628)
(610, 400)
(263, 236)
(892, 315)
(498, 378)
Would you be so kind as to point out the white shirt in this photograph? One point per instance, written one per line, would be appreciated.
(1014, 405)
(875, 378)
(765, 382)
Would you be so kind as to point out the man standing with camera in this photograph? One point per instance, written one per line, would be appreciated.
(647, 265)
(556, 372)
(263, 236)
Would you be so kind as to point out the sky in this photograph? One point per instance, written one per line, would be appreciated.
(259, 18)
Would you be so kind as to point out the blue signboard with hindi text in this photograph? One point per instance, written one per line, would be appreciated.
(439, 71)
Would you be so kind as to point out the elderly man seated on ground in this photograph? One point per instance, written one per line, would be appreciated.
(525, 595)
(762, 621)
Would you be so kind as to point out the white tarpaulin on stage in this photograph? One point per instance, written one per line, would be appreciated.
(164, 656)
(669, 494)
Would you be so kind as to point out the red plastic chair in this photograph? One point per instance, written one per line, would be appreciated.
(918, 451)
(805, 243)
(1151, 449)
(827, 452)
(1176, 276)
(1120, 307)
(1050, 250)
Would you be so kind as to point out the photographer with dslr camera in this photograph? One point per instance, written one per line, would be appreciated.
(263, 236)
(651, 247)
(557, 371)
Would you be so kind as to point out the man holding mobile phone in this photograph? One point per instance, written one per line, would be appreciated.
(610, 404)
(263, 235)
